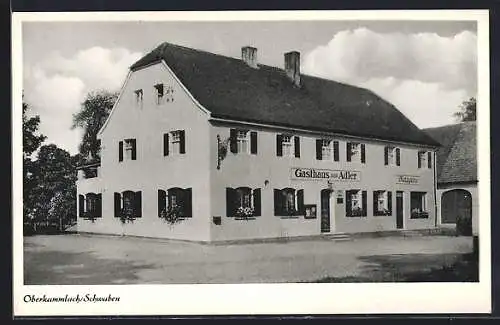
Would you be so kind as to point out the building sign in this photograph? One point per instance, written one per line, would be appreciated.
(313, 174)
(407, 179)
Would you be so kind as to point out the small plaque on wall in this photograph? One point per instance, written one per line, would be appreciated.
(340, 200)
(310, 210)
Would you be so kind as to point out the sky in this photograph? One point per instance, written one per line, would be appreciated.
(425, 68)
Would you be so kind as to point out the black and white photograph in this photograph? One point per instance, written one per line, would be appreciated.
(228, 149)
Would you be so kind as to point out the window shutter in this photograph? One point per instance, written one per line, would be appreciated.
(418, 159)
(165, 144)
(297, 146)
(99, 205)
(118, 204)
(134, 149)
(256, 202)
(230, 201)
(363, 198)
(389, 202)
(348, 151)
(162, 198)
(336, 150)
(386, 156)
(398, 157)
(120, 151)
(375, 202)
(81, 205)
(279, 145)
(277, 202)
(253, 142)
(188, 202)
(233, 146)
(429, 159)
(348, 203)
(300, 201)
(138, 204)
(319, 147)
(182, 145)
(363, 154)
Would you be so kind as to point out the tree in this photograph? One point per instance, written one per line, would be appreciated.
(55, 190)
(31, 142)
(467, 111)
(94, 111)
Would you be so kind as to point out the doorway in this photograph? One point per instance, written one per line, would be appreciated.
(325, 210)
(456, 208)
(399, 210)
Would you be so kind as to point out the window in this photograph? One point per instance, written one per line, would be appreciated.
(288, 202)
(127, 149)
(424, 159)
(356, 152)
(159, 94)
(382, 203)
(175, 199)
(174, 142)
(89, 205)
(392, 156)
(243, 141)
(128, 204)
(418, 205)
(327, 150)
(138, 97)
(243, 202)
(287, 145)
(356, 203)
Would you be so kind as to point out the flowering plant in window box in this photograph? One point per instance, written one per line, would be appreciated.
(172, 215)
(127, 215)
(418, 213)
(357, 212)
(244, 213)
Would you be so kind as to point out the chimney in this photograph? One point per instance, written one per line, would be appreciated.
(249, 56)
(292, 66)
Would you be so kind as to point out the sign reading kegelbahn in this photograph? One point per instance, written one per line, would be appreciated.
(314, 174)
(407, 179)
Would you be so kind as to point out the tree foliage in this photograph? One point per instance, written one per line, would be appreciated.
(31, 140)
(467, 111)
(94, 111)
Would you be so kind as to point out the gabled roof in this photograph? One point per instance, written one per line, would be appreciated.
(457, 157)
(230, 89)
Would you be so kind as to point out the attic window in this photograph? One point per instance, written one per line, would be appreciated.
(138, 97)
(159, 94)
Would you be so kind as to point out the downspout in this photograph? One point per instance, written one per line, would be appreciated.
(435, 194)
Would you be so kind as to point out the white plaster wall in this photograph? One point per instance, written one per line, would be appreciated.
(473, 190)
(152, 171)
(253, 170)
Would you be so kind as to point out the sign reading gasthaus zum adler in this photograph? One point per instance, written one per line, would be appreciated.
(313, 174)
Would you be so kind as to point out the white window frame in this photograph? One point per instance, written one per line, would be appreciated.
(422, 157)
(357, 197)
(160, 98)
(243, 141)
(288, 141)
(127, 149)
(423, 202)
(327, 150)
(175, 141)
(356, 152)
(240, 197)
(139, 97)
(382, 197)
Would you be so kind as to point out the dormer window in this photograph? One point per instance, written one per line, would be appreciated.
(138, 97)
(392, 156)
(356, 152)
(159, 93)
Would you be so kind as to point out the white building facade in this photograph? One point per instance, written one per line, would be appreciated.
(237, 151)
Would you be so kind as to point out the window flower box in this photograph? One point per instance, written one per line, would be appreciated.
(172, 215)
(244, 213)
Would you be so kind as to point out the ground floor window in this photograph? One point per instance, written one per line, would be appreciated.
(90, 205)
(355, 203)
(128, 204)
(382, 203)
(288, 202)
(419, 205)
(243, 202)
(175, 200)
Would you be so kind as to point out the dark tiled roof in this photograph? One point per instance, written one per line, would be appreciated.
(457, 157)
(230, 89)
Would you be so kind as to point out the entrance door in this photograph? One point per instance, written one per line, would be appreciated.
(399, 210)
(456, 208)
(325, 210)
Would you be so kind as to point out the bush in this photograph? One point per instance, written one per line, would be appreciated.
(464, 226)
